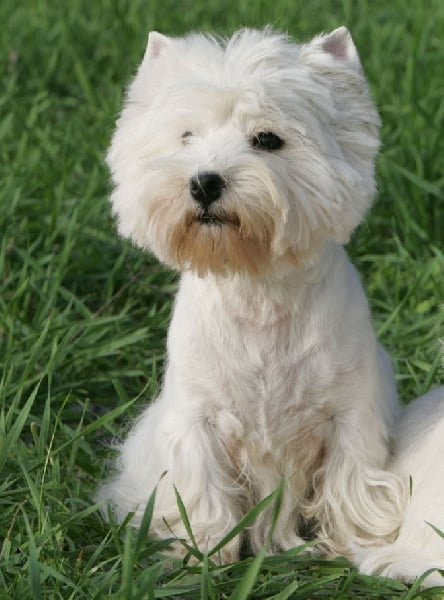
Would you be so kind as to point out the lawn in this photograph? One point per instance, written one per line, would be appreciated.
(84, 315)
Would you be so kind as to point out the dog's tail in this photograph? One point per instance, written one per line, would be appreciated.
(399, 561)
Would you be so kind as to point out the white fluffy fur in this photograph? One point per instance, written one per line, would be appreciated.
(273, 368)
(420, 456)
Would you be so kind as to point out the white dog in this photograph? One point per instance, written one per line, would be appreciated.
(246, 164)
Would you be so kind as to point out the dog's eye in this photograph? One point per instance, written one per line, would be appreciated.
(185, 136)
(267, 140)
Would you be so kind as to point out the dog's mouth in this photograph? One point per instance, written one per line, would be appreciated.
(207, 218)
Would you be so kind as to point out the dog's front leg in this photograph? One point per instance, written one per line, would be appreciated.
(178, 451)
(202, 471)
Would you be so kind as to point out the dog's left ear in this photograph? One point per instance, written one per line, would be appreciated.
(340, 45)
(336, 47)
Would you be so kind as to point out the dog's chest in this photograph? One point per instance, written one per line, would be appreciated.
(263, 377)
(263, 366)
(268, 379)
(266, 408)
(266, 376)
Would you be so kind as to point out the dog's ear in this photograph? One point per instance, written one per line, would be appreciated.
(340, 45)
(333, 49)
(156, 45)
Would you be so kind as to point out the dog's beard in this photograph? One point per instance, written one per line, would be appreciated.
(220, 247)
(224, 239)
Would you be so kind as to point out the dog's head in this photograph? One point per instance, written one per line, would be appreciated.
(232, 155)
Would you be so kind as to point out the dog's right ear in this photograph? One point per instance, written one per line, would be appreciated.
(156, 45)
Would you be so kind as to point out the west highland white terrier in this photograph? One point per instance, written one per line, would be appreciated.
(246, 164)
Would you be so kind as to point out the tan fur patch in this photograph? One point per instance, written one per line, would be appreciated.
(230, 246)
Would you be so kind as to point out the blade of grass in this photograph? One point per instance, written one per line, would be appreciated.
(33, 563)
(245, 522)
(14, 433)
(243, 589)
(185, 519)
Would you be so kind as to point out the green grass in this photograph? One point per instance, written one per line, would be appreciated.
(84, 315)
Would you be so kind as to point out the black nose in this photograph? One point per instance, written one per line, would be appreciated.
(206, 187)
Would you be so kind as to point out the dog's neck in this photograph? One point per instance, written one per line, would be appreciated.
(265, 299)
